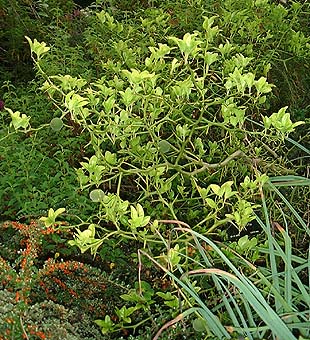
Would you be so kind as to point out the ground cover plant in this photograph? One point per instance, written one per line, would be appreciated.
(174, 138)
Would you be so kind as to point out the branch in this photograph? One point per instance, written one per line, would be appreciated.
(208, 166)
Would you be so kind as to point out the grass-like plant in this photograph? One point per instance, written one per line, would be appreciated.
(269, 300)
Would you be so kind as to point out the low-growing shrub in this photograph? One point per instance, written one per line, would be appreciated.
(48, 298)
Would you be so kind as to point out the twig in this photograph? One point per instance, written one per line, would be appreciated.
(174, 222)
(167, 325)
(207, 166)
(23, 329)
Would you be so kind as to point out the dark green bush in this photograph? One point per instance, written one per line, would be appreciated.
(19, 18)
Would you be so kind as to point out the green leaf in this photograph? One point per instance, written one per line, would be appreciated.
(200, 325)
(37, 48)
(171, 300)
(106, 325)
(174, 256)
(137, 217)
(110, 158)
(129, 97)
(74, 102)
(18, 121)
(215, 188)
(96, 195)
(262, 85)
(137, 77)
(164, 146)
(188, 45)
(56, 124)
(281, 121)
(109, 104)
(211, 203)
(210, 58)
(289, 181)
(86, 240)
(124, 313)
(52, 215)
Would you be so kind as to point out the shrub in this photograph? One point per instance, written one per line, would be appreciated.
(20, 18)
(46, 299)
(181, 124)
